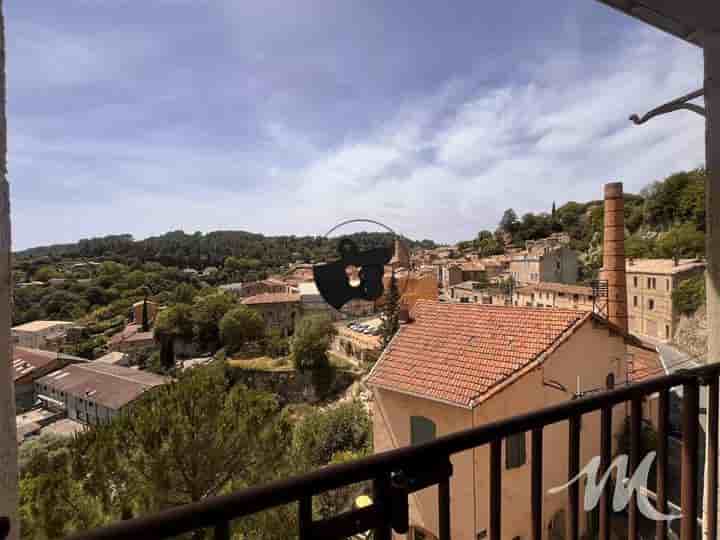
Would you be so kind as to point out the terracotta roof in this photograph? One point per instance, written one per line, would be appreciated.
(271, 298)
(106, 384)
(457, 352)
(556, 287)
(661, 266)
(133, 333)
(643, 363)
(26, 361)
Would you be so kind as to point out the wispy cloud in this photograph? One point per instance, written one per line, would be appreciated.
(255, 145)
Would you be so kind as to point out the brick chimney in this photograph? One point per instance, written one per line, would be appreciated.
(614, 255)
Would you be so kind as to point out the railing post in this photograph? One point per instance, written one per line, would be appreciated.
(635, 448)
(222, 531)
(661, 526)
(689, 475)
(305, 518)
(572, 525)
(495, 489)
(444, 508)
(381, 497)
(712, 459)
(605, 454)
(536, 484)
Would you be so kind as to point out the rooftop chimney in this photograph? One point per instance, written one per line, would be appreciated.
(614, 255)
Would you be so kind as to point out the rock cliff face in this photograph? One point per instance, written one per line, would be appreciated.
(692, 333)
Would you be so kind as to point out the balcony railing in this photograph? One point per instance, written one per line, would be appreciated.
(397, 473)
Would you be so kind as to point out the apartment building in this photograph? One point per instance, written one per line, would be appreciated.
(549, 259)
(28, 365)
(93, 393)
(650, 284)
(558, 295)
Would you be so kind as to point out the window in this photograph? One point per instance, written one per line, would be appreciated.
(651, 304)
(515, 451)
(421, 430)
(667, 284)
(667, 332)
(649, 283)
(635, 301)
(635, 284)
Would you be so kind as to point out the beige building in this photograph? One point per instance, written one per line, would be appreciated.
(280, 310)
(558, 295)
(46, 335)
(549, 259)
(650, 284)
(93, 393)
(357, 345)
(456, 366)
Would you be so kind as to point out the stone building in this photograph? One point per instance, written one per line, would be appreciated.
(558, 295)
(549, 259)
(280, 310)
(650, 284)
(46, 335)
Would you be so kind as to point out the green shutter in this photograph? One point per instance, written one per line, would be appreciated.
(515, 451)
(421, 430)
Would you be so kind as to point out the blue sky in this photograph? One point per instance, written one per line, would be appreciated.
(285, 117)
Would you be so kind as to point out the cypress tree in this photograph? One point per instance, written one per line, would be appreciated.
(145, 318)
(391, 312)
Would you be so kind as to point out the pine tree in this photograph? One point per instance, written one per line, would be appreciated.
(553, 211)
(391, 312)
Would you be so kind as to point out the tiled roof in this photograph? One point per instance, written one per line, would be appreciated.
(26, 361)
(131, 333)
(661, 266)
(271, 298)
(643, 363)
(457, 352)
(556, 287)
(40, 326)
(106, 384)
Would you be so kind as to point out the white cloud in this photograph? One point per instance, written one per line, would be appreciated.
(443, 167)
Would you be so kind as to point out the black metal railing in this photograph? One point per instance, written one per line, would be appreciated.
(397, 473)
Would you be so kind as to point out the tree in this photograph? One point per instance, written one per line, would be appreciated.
(186, 441)
(322, 434)
(509, 221)
(208, 311)
(170, 324)
(689, 295)
(391, 312)
(313, 336)
(681, 241)
(239, 326)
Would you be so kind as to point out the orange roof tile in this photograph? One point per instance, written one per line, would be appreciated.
(643, 364)
(457, 352)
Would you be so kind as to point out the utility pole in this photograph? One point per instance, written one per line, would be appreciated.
(8, 433)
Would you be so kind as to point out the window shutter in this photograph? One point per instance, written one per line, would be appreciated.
(421, 430)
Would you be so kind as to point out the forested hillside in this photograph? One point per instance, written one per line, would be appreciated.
(199, 250)
(666, 219)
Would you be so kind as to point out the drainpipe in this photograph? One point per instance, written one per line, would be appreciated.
(8, 434)
(711, 43)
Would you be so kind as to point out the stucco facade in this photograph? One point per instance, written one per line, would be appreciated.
(588, 356)
(650, 284)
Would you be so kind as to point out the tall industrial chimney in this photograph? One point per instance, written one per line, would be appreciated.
(614, 255)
